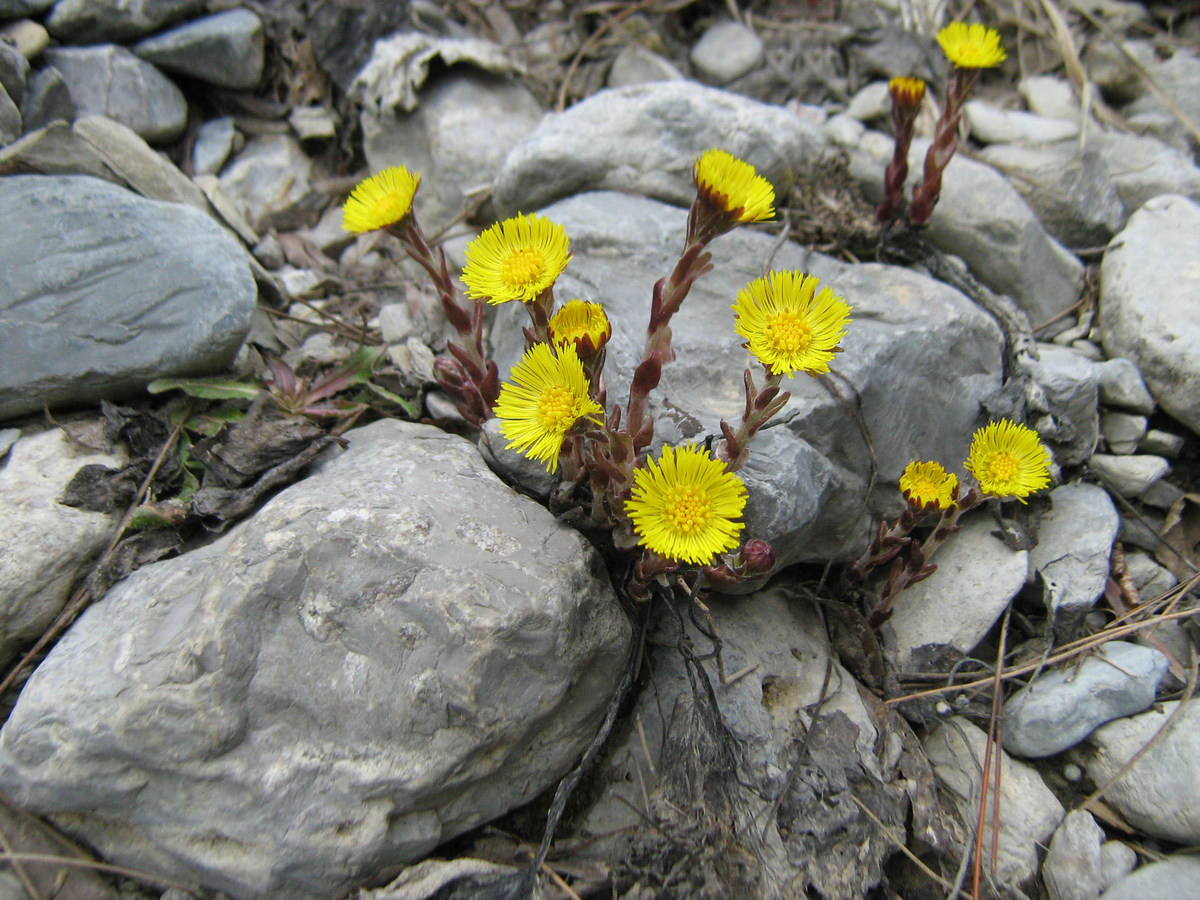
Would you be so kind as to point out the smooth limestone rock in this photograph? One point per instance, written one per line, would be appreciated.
(226, 49)
(1121, 385)
(726, 51)
(1028, 811)
(939, 620)
(1129, 476)
(992, 125)
(1143, 168)
(919, 358)
(389, 653)
(644, 139)
(1075, 539)
(269, 183)
(1148, 284)
(1070, 382)
(44, 545)
(1060, 708)
(1174, 878)
(98, 21)
(1073, 869)
(1159, 794)
(104, 290)
(107, 80)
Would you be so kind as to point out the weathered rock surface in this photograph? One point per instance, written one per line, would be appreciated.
(1073, 869)
(45, 544)
(1174, 878)
(1148, 285)
(644, 140)
(1159, 793)
(911, 339)
(225, 49)
(1060, 708)
(104, 290)
(97, 21)
(269, 183)
(390, 652)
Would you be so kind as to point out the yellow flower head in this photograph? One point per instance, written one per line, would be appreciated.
(786, 326)
(380, 200)
(583, 325)
(684, 506)
(734, 186)
(906, 92)
(923, 483)
(971, 46)
(1008, 460)
(516, 259)
(547, 396)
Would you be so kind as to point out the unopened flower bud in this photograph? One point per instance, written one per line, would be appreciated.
(757, 557)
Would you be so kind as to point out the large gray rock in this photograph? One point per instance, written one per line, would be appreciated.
(389, 653)
(919, 358)
(107, 80)
(103, 291)
(1028, 812)
(1148, 311)
(644, 139)
(97, 21)
(226, 49)
(1173, 878)
(981, 218)
(1075, 539)
(44, 545)
(1159, 793)
(1060, 708)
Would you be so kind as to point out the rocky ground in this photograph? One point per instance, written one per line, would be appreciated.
(276, 622)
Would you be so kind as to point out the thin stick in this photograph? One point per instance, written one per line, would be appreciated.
(901, 844)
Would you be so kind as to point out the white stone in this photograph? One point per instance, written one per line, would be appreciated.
(726, 51)
(873, 101)
(1121, 385)
(1006, 126)
(1049, 96)
(1073, 866)
(1174, 878)
(634, 64)
(1122, 431)
(1129, 476)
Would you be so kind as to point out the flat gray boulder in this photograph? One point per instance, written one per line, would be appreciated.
(102, 291)
(391, 652)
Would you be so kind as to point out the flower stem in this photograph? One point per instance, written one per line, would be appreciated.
(945, 142)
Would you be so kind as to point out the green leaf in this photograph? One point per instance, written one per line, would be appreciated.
(411, 408)
(145, 518)
(209, 422)
(206, 388)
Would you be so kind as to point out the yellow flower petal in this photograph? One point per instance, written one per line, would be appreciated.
(971, 46)
(734, 185)
(923, 483)
(1008, 460)
(381, 200)
(905, 91)
(788, 325)
(516, 259)
(684, 506)
(547, 396)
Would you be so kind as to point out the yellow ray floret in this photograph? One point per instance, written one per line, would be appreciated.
(971, 46)
(547, 396)
(578, 322)
(381, 200)
(685, 506)
(516, 259)
(923, 483)
(905, 91)
(1008, 460)
(788, 325)
(734, 186)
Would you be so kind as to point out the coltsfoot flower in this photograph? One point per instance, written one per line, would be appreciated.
(516, 259)
(381, 200)
(906, 92)
(1008, 460)
(734, 186)
(582, 324)
(923, 483)
(547, 396)
(971, 46)
(685, 506)
(788, 325)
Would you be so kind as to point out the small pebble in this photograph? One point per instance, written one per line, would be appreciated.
(1129, 476)
(270, 253)
(1088, 350)
(1161, 443)
(1117, 860)
(728, 50)
(1162, 494)
(395, 322)
(1121, 385)
(1122, 431)
(1072, 773)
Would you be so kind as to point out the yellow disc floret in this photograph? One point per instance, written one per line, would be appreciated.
(788, 325)
(1008, 460)
(516, 259)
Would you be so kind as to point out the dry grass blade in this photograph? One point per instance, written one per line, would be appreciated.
(74, 863)
(991, 750)
(901, 844)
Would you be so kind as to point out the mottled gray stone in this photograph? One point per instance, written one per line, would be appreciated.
(43, 545)
(1121, 385)
(389, 653)
(215, 140)
(107, 80)
(634, 64)
(10, 119)
(1070, 189)
(1122, 431)
(1143, 168)
(1060, 708)
(1176, 75)
(1159, 793)
(726, 51)
(982, 218)
(226, 49)
(1148, 285)
(1050, 95)
(1129, 476)
(104, 290)
(47, 100)
(1070, 382)
(98, 21)
(644, 140)
(1117, 859)
(947, 614)
(1174, 878)
(1162, 443)
(1073, 865)
(1075, 538)
(1028, 811)
(1148, 576)
(992, 125)
(919, 358)
(268, 182)
(457, 138)
(14, 72)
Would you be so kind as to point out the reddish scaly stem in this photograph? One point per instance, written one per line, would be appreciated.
(945, 142)
(761, 407)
